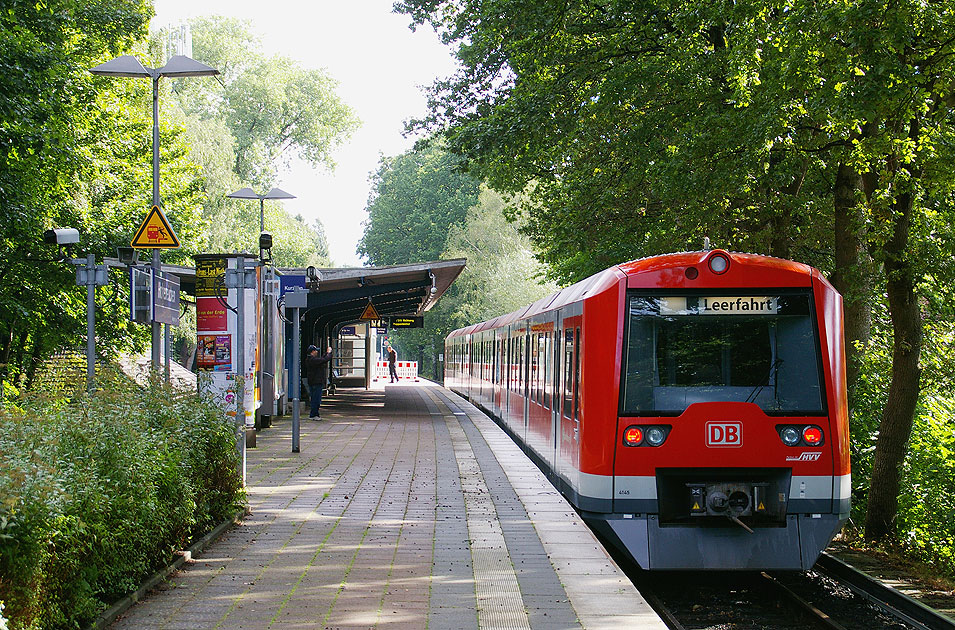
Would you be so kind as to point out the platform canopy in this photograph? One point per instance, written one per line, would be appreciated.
(343, 294)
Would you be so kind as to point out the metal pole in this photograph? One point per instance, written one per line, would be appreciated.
(166, 344)
(240, 376)
(369, 370)
(90, 320)
(157, 269)
(261, 214)
(296, 378)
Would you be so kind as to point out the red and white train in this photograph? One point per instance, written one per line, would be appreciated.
(691, 406)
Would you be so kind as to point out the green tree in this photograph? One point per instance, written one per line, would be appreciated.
(273, 107)
(244, 129)
(416, 197)
(73, 151)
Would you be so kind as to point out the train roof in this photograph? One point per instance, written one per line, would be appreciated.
(797, 273)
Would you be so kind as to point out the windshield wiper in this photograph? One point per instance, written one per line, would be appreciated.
(772, 368)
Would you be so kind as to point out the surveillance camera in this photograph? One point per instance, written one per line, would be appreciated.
(265, 240)
(127, 255)
(61, 236)
(311, 272)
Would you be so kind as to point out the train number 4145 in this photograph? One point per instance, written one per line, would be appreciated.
(723, 434)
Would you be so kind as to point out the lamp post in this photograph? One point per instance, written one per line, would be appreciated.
(177, 66)
(266, 379)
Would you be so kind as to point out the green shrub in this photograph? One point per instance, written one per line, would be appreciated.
(98, 493)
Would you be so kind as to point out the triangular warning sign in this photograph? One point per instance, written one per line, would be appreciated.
(761, 507)
(155, 232)
(370, 312)
(696, 506)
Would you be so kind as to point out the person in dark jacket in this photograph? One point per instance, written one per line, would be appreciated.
(392, 360)
(316, 371)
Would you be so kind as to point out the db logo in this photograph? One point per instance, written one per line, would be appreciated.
(724, 433)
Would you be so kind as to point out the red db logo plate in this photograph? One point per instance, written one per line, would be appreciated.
(724, 434)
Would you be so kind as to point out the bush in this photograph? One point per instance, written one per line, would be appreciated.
(99, 492)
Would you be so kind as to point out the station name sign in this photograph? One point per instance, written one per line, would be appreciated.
(407, 322)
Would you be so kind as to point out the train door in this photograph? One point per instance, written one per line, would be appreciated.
(526, 378)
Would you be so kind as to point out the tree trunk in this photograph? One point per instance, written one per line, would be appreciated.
(5, 346)
(898, 415)
(35, 355)
(852, 274)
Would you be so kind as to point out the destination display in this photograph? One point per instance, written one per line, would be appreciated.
(709, 305)
(407, 322)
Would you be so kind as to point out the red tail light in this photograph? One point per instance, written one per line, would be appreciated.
(633, 436)
(812, 435)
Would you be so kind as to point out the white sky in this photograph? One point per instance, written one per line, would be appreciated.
(382, 68)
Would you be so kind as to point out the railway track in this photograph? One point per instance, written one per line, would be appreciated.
(834, 596)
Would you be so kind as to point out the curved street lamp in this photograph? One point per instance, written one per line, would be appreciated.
(248, 193)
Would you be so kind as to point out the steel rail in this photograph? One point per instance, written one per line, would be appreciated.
(820, 618)
(659, 607)
(889, 599)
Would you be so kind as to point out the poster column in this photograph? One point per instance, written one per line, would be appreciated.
(217, 311)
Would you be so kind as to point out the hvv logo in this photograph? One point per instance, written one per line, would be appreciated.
(724, 433)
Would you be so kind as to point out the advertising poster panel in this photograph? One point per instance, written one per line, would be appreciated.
(216, 328)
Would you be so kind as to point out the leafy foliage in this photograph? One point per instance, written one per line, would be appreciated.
(246, 128)
(69, 156)
(99, 493)
(423, 209)
(416, 198)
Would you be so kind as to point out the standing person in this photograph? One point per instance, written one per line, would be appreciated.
(392, 367)
(316, 370)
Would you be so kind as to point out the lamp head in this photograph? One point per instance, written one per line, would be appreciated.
(265, 246)
(312, 278)
(61, 236)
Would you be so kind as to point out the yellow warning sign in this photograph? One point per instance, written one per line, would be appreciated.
(370, 312)
(761, 507)
(696, 506)
(155, 232)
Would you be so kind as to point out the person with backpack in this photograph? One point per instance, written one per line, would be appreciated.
(316, 373)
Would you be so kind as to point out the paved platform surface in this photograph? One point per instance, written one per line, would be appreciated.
(397, 514)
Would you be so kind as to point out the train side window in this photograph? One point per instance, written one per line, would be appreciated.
(568, 372)
(548, 370)
(555, 358)
(538, 380)
(521, 367)
(577, 373)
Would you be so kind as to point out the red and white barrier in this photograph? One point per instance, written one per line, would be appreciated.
(407, 370)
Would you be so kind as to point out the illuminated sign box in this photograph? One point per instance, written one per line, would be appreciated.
(709, 305)
(407, 322)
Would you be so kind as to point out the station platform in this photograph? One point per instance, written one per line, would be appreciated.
(406, 508)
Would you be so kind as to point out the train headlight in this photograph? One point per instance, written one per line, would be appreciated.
(790, 436)
(812, 435)
(655, 436)
(719, 263)
(633, 436)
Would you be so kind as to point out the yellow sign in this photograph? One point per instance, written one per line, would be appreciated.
(370, 312)
(155, 232)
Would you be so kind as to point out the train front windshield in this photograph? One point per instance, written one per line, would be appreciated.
(686, 349)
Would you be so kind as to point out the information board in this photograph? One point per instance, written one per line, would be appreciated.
(407, 322)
